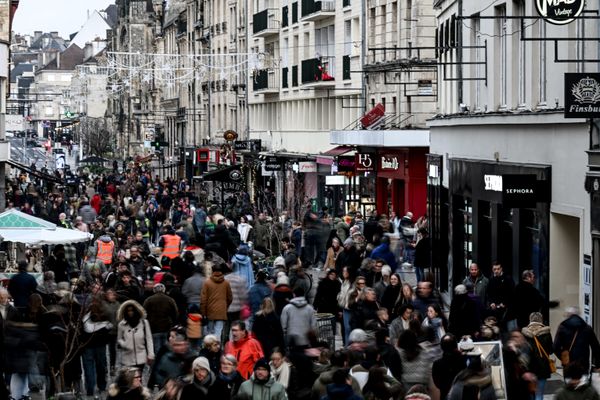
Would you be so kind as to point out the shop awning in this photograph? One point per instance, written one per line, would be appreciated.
(337, 151)
(327, 157)
(232, 173)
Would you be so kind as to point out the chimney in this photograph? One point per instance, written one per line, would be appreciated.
(57, 60)
(36, 35)
(54, 34)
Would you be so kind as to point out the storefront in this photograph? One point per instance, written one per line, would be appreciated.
(492, 218)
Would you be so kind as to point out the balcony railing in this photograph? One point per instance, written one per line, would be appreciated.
(265, 81)
(266, 22)
(318, 70)
(284, 16)
(313, 10)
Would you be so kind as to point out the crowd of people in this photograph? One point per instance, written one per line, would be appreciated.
(169, 301)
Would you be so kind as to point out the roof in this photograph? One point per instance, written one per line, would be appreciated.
(14, 219)
(111, 15)
(19, 69)
(48, 41)
(69, 59)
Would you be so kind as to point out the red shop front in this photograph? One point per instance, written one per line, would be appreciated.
(402, 180)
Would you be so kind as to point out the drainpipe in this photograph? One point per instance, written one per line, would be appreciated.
(459, 56)
(363, 28)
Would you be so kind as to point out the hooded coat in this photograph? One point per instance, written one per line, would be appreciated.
(253, 390)
(135, 343)
(247, 351)
(297, 320)
(242, 265)
(538, 363)
(216, 297)
(580, 351)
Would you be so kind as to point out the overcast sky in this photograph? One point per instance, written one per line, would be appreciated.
(64, 16)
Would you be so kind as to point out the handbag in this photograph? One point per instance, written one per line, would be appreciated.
(541, 350)
(565, 357)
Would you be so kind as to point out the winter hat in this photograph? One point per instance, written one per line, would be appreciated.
(261, 363)
(282, 280)
(460, 289)
(349, 242)
(201, 362)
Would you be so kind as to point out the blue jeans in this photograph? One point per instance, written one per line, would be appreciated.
(19, 385)
(159, 340)
(346, 315)
(539, 391)
(215, 328)
(94, 368)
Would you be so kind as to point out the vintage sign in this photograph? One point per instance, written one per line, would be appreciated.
(307, 166)
(272, 164)
(364, 162)
(230, 135)
(582, 95)
(559, 12)
(345, 164)
(371, 119)
(388, 162)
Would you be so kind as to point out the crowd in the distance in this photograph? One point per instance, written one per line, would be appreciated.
(170, 301)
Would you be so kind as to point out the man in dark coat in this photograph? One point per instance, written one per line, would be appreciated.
(445, 369)
(161, 313)
(577, 337)
(349, 257)
(500, 294)
(21, 286)
(464, 314)
(528, 298)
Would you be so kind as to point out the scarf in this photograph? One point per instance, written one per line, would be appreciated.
(228, 378)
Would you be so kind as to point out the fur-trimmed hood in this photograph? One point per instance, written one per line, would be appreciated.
(114, 390)
(535, 329)
(134, 303)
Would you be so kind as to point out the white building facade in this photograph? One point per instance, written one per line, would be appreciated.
(501, 113)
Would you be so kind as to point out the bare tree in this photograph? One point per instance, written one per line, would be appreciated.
(97, 137)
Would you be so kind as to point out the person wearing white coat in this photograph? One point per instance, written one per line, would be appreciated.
(134, 337)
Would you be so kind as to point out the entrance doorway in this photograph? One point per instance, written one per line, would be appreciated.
(564, 264)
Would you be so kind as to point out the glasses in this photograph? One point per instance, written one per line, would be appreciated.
(360, 283)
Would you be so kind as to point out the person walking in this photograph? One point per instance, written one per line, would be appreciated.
(297, 320)
(574, 339)
(246, 349)
(261, 385)
(540, 341)
(134, 336)
(215, 298)
(161, 312)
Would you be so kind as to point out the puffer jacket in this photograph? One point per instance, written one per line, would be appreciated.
(135, 343)
(539, 364)
(270, 390)
(297, 319)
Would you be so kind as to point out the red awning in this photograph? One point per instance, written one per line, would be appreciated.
(337, 151)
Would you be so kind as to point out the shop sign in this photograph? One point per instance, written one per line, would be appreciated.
(364, 162)
(272, 164)
(389, 163)
(559, 12)
(582, 95)
(522, 191)
(307, 166)
(345, 164)
(493, 183)
(424, 87)
(252, 146)
(372, 118)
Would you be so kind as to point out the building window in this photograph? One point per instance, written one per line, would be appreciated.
(522, 58)
(542, 65)
(476, 52)
(501, 41)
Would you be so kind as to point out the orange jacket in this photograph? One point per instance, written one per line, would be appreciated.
(105, 251)
(172, 246)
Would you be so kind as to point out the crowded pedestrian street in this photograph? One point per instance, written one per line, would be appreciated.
(299, 199)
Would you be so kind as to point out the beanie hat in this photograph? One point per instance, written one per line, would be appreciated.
(349, 242)
(261, 363)
(201, 362)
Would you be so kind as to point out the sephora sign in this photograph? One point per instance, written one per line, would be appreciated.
(559, 12)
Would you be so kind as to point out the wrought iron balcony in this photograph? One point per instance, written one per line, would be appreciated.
(313, 10)
(266, 81)
(266, 22)
(319, 71)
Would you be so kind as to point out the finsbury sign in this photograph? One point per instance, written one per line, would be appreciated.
(559, 12)
(582, 95)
